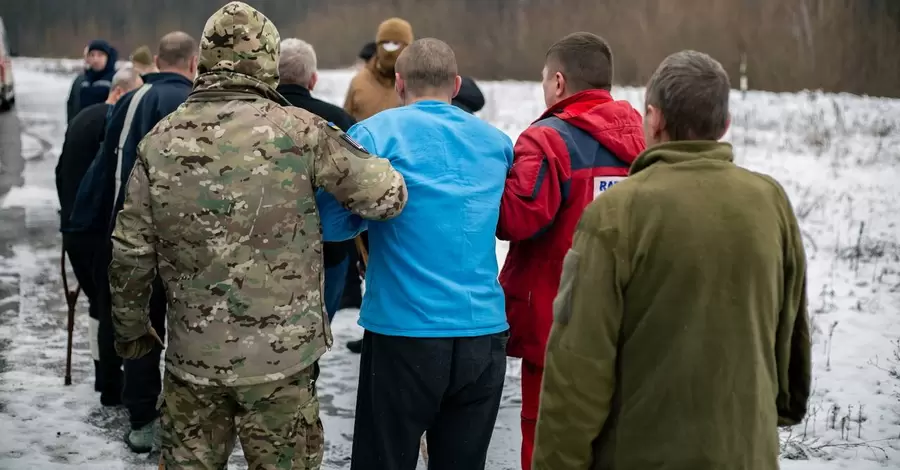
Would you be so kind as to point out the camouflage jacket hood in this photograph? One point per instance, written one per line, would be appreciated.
(239, 53)
(221, 203)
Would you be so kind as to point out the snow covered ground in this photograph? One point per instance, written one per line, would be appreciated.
(837, 155)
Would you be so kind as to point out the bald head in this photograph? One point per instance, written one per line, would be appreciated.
(177, 51)
(427, 69)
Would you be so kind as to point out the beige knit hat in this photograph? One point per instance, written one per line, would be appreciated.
(395, 30)
(142, 56)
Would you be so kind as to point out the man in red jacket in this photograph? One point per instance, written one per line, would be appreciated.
(583, 144)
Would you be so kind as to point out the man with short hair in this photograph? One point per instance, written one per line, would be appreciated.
(100, 197)
(298, 77)
(681, 337)
(82, 141)
(434, 349)
(221, 205)
(580, 146)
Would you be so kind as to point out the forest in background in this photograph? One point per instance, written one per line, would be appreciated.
(834, 45)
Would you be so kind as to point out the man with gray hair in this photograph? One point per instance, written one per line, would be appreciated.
(434, 349)
(681, 337)
(298, 78)
(82, 141)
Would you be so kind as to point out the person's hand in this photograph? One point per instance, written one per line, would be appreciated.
(140, 347)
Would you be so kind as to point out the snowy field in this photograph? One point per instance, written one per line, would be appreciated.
(837, 155)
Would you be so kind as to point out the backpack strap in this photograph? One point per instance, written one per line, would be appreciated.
(123, 137)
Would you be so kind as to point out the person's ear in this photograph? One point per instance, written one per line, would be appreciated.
(399, 85)
(657, 123)
(156, 62)
(560, 79)
(312, 81)
(727, 126)
(456, 85)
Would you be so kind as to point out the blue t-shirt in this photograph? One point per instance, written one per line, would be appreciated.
(433, 269)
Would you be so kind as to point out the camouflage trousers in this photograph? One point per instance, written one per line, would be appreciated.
(277, 423)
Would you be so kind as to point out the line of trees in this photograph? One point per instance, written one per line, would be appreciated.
(835, 45)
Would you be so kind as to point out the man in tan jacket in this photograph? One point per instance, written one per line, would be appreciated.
(372, 89)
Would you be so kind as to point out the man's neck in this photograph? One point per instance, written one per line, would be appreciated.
(416, 99)
(299, 85)
(183, 73)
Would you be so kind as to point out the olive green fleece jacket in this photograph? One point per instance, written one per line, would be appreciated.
(681, 337)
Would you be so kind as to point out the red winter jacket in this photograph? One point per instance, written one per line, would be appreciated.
(574, 152)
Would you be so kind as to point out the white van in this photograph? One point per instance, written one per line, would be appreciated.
(7, 86)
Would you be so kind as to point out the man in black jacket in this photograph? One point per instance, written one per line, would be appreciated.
(469, 98)
(83, 139)
(297, 78)
(101, 195)
(73, 103)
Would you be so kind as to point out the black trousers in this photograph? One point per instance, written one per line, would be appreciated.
(352, 297)
(81, 248)
(449, 387)
(142, 378)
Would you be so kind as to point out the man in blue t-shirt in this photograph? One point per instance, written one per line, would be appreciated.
(434, 350)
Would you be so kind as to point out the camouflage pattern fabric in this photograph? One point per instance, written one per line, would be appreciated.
(221, 202)
(277, 423)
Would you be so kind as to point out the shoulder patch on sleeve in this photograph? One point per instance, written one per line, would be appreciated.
(344, 139)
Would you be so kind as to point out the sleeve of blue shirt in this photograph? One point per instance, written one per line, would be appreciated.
(338, 223)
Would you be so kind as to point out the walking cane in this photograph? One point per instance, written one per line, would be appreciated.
(361, 248)
(364, 256)
(71, 301)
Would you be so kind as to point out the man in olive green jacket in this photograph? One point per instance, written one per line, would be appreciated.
(681, 337)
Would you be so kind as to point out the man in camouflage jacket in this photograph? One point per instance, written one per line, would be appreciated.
(221, 202)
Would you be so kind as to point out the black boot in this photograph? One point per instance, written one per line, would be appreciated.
(97, 387)
(111, 394)
(355, 346)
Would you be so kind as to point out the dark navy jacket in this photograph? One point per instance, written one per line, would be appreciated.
(95, 86)
(95, 200)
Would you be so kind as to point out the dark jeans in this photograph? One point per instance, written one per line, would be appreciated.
(142, 378)
(449, 387)
(86, 253)
(143, 381)
(352, 295)
(335, 277)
